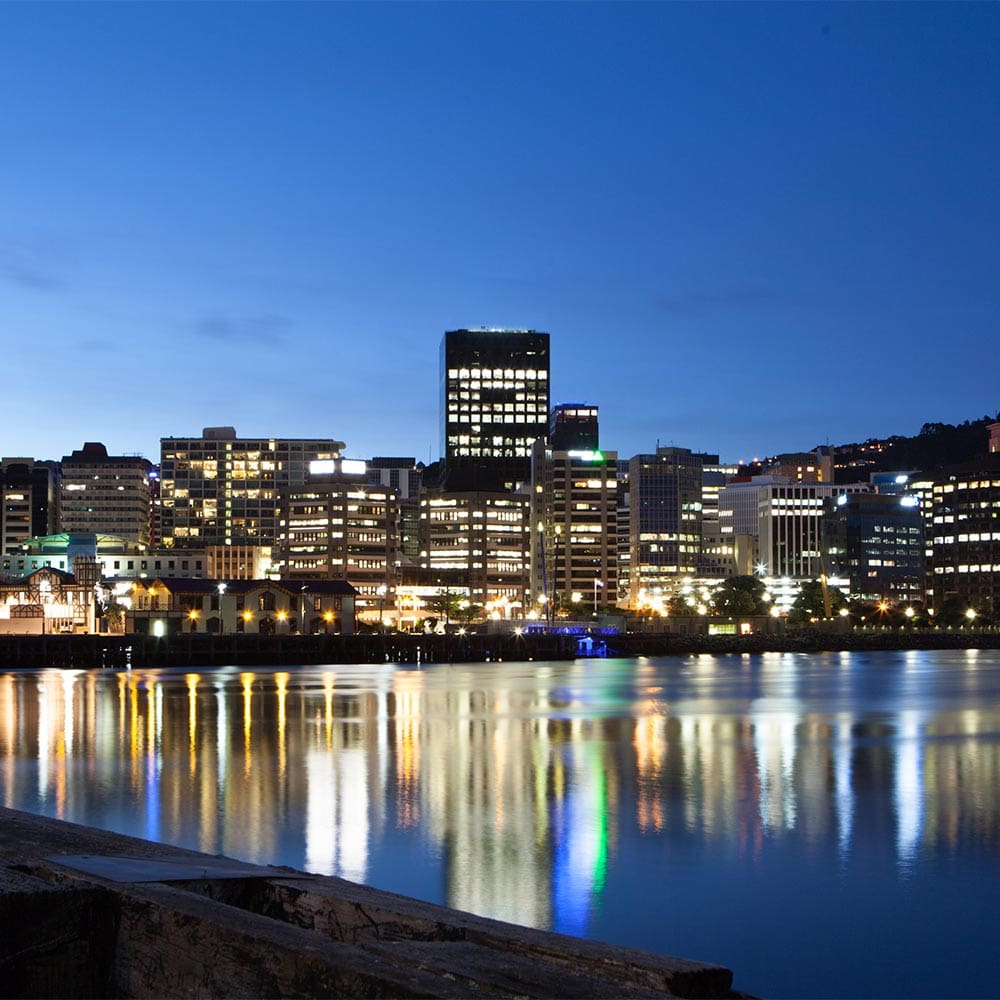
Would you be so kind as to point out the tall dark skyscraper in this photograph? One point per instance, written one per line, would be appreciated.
(573, 426)
(494, 405)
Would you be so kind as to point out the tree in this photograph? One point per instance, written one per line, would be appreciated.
(954, 611)
(444, 604)
(809, 604)
(740, 595)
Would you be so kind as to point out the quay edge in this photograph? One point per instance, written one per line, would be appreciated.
(86, 652)
(92, 913)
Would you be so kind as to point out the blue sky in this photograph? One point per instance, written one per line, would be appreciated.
(748, 228)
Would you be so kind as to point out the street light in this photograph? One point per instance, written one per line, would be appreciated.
(382, 591)
(543, 600)
(221, 585)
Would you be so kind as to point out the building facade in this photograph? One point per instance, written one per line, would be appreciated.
(105, 494)
(876, 541)
(574, 522)
(789, 542)
(717, 557)
(965, 538)
(223, 490)
(494, 405)
(169, 605)
(29, 500)
(664, 520)
(340, 526)
(405, 477)
(480, 541)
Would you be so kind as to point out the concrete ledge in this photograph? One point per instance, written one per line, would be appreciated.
(89, 913)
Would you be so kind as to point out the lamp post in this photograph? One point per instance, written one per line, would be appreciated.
(382, 591)
(221, 586)
(597, 583)
(150, 608)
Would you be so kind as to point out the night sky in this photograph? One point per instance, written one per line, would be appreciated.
(748, 228)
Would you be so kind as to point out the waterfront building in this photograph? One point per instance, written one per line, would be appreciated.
(664, 520)
(171, 605)
(105, 494)
(112, 555)
(494, 405)
(876, 541)
(29, 500)
(122, 558)
(405, 477)
(481, 541)
(778, 522)
(341, 526)
(717, 556)
(965, 537)
(49, 601)
(574, 522)
(223, 490)
(624, 516)
(788, 527)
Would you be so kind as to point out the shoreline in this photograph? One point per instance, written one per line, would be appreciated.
(117, 652)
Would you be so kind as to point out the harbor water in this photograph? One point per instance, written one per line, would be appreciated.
(826, 825)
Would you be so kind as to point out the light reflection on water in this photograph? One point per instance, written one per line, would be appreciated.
(825, 825)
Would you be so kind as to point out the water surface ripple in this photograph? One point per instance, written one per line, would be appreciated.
(826, 825)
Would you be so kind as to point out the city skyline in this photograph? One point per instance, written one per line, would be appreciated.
(748, 230)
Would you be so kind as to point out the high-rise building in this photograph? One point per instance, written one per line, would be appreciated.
(876, 541)
(405, 477)
(494, 405)
(573, 426)
(105, 494)
(340, 526)
(223, 490)
(782, 519)
(29, 500)
(717, 557)
(664, 519)
(481, 540)
(574, 537)
(965, 537)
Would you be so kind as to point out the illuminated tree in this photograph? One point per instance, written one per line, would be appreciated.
(740, 595)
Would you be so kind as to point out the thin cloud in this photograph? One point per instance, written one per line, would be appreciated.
(95, 344)
(268, 329)
(16, 272)
(694, 303)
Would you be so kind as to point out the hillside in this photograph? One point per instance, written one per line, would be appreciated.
(937, 444)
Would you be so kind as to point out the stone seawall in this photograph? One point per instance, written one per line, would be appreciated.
(88, 913)
(85, 652)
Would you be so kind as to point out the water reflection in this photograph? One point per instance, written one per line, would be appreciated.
(538, 793)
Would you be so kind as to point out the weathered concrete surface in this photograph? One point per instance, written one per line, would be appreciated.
(85, 913)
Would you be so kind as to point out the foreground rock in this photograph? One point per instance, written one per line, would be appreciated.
(87, 913)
